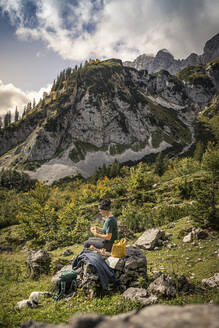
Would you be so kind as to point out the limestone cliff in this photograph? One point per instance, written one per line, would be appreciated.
(102, 112)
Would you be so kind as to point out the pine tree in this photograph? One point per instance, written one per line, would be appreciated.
(34, 103)
(1, 123)
(199, 150)
(161, 164)
(24, 111)
(7, 119)
(16, 115)
(210, 163)
(205, 212)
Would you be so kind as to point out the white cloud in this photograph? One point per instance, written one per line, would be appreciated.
(38, 94)
(118, 28)
(11, 96)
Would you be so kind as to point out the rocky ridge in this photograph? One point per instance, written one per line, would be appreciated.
(165, 60)
(105, 111)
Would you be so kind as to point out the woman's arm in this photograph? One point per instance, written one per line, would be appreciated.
(108, 236)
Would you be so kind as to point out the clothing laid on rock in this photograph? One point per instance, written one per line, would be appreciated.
(98, 265)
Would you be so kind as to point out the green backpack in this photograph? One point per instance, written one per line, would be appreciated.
(66, 284)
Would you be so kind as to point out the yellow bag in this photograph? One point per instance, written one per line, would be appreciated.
(119, 248)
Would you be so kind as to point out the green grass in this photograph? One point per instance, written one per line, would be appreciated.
(174, 259)
(196, 75)
(16, 284)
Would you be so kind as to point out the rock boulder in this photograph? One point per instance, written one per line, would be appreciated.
(162, 316)
(141, 295)
(212, 281)
(150, 239)
(38, 263)
(168, 285)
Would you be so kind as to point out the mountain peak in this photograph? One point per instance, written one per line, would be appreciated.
(165, 60)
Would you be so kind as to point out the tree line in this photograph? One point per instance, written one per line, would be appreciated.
(8, 118)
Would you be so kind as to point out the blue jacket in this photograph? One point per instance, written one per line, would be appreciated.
(104, 272)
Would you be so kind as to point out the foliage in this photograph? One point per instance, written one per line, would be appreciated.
(164, 213)
(13, 179)
(206, 194)
(161, 164)
(38, 215)
(8, 207)
(182, 167)
(136, 218)
(185, 189)
(196, 75)
(73, 226)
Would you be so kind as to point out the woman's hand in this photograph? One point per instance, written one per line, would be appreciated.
(93, 230)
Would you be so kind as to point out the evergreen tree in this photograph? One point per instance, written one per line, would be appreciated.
(6, 120)
(16, 115)
(1, 123)
(161, 164)
(34, 103)
(54, 86)
(199, 150)
(114, 169)
(205, 212)
(211, 165)
(24, 111)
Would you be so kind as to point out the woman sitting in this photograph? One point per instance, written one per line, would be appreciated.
(104, 237)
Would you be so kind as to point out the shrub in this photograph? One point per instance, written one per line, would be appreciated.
(8, 208)
(137, 219)
(206, 193)
(13, 179)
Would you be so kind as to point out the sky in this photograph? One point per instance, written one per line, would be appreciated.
(40, 38)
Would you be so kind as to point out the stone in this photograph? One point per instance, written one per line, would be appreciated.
(67, 252)
(24, 304)
(35, 296)
(165, 285)
(150, 239)
(188, 238)
(33, 300)
(171, 246)
(156, 274)
(202, 234)
(169, 285)
(164, 316)
(128, 269)
(141, 295)
(38, 263)
(154, 316)
(212, 281)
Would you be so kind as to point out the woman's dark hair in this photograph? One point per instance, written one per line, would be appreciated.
(105, 205)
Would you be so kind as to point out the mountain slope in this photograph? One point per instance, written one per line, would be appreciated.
(102, 112)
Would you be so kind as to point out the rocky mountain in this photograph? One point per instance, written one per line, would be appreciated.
(105, 111)
(165, 60)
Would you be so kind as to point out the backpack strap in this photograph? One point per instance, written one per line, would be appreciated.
(61, 292)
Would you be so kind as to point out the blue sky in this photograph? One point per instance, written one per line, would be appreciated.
(39, 38)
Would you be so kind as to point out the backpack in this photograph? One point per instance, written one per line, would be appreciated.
(66, 284)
